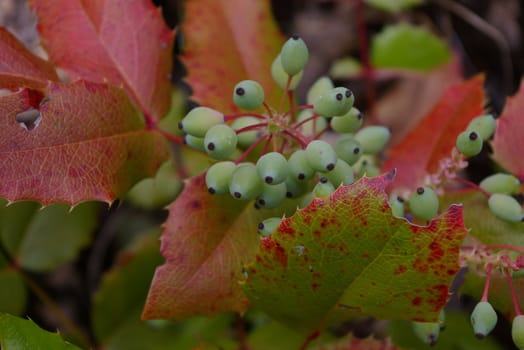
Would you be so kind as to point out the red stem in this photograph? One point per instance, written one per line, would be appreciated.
(250, 149)
(251, 127)
(314, 116)
(512, 291)
(505, 246)
(317, 135)
(309, 339)
(472, 185)
(240, 115)
(489, 267)
(364, 56)
(299, 138)
(291, 105)
(169, 136)
(268, 109)
(266, 145)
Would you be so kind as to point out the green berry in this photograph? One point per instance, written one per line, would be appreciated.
(311, 127)
(517, 331)
(220, 141)
(349, 122)
(372, 139)
(500, 183)
(323, 188)
(342, 174)
(366, 166)
(272, 196)
(505, 207)
(195, 142)
(246, 138)
(319, 87)
(484, 125)
(348, 149)
(397, 206)
(469, 143)
(483, 319)
(245, 183)
(199, 120)
(294, 55)
(295, 188)
(423, 203)
(272, 168)
(281, 77)
(321, 156)
(299, 166)
(248, 94)
(427, 332)
(268, 226)
(335, 102)
(218, 177)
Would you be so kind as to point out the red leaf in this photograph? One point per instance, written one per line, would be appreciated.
(434, 137)
(228, 41)
(205, 242)
(89, 145)
(19, 67)
(508, 142)
(123, 42)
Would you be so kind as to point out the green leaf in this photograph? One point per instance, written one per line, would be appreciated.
(394, 5)
(20, 334)
(13, 293)
(41, 240)
(347, 255)
(408, 47)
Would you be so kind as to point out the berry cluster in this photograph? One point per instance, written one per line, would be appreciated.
(290, 160)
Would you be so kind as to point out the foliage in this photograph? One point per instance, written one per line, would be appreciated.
(101, 130)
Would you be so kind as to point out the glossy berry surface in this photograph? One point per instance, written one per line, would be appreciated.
(469, 143)
(424, 203)
(218, 177)
(294, 55)
(483, 319)
(335, 102)
(321, 156)
(505, 207)
(248, 95)
(199, 120)
(220, 141)
(245, 183)
(272, 168)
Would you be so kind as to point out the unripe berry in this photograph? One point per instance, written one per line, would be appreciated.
(196, 143)
(295, 188)
(246, 138)
(342, 174)
(517, 331)
(245, 183)
(272, 196)
(366, 165)
(483, 319)
(484, 125)
(469, 143)
(349, 122)
(294, 55)
(319, 87)
(335, 102)
(311, 127)
(348, 149)
(500, 183)
(218, 177)
(372, 139)
(423, 203)
(281, 77)
(397, 206)
(299, 166)
(427, 332)
(272, 168)
(248, 94)
(505, 207)
(323, 188)
(199, 120)
(321, 156)
(268, 226)
(220, 141)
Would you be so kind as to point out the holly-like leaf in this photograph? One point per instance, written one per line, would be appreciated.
(393, 48)
(508, 142)
(347, 256)
(18, 333)
(89, 143)
(123, 42)
(248, 42)
(435, 136)
(19, 67)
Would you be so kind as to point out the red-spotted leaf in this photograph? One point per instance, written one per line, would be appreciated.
(19, 67)
(123, 42)
(347, 256)
(508, 142)
(227, 41)
(433, 139)
(88, 142)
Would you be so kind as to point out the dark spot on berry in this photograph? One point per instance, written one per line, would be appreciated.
(348, 93)
(330, 166)
(261, 226)
(289, 194)
(323, 180)
(268, 179)
(211, 190)
(262, 202)
(237, 195)
(420, 190)
(473, 136)
(240, 91)
(211, 146)
(257, 206)
(295, 37)
(356, 150)
(360, 116)
(339, 96)
(364, 163)
(301, 176)
(400, 199)
(180, 125)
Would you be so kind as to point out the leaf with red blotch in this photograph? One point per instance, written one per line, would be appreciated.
(87, 142)
(508, 142)
(206, 241)
(346, 256)
(227, 41)
(435, 136)
(123, 42)
(19, 67)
